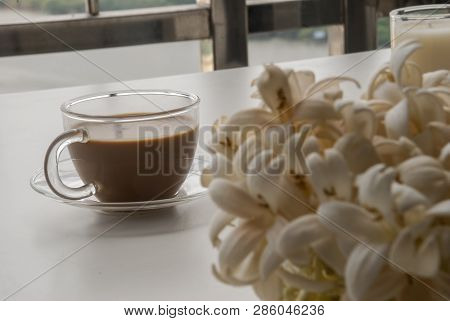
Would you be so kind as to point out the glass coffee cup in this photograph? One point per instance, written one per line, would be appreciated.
(126, 146)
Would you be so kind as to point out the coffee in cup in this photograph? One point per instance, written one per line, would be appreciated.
(127, 146)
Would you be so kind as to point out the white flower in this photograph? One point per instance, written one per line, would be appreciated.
(383, 87)
(250, 199)
(426, 175)
(358, 152)
(359, 117)
(330, 175)
(274, 88)
(406, 74)
(397, 238)
(393, 151)
(324, 198)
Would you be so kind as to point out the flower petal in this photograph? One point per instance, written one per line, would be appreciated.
(219, 222)
(301, 282)
(226, 277)
(270, 259)
(395, 151)
(436, 78)
(418, 162)
(359, 118)
(244, 155)
(327, 133)
(428, 107)
(444, 94)
(374, 190)
(314, 110)
(296, 237)
(296, 164)
(233, 199)
(406, 197)
(299, 81)
(397, 120)
(283, 194)
(340, 175)
(237, 128)
(260, 161)
(274, 137)
(426, 175)
(274, 88)
(358, 151)
(444, 157)
(398, 60)
(330, 177)
(239, 244)
(326, 84)
(411, 75)
(229, 278)
(330, 254)
(369, 277)
(379, 77)
(422, 260)
(379, 106)
(388, 91)
(346, 244)
(435, 136)
(440, 209)
(270, 289)
(312, 145)
(351, 220)
(383, 87)
(251, 116)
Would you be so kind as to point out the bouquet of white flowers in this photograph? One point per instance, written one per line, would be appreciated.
(322, 198)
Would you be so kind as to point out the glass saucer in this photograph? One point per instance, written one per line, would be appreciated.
(191, 190)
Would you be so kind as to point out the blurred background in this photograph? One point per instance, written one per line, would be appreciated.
(134, 39)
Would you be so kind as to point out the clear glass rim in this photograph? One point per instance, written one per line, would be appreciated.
(193, 101)
(424, 12)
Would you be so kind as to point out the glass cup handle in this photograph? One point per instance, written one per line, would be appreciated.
(51, 166)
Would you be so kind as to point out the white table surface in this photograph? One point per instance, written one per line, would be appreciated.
(164, 256)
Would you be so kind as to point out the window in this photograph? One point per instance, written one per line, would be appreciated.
(288, 45)
(383, 32)
(106, 5)
(33, 9)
